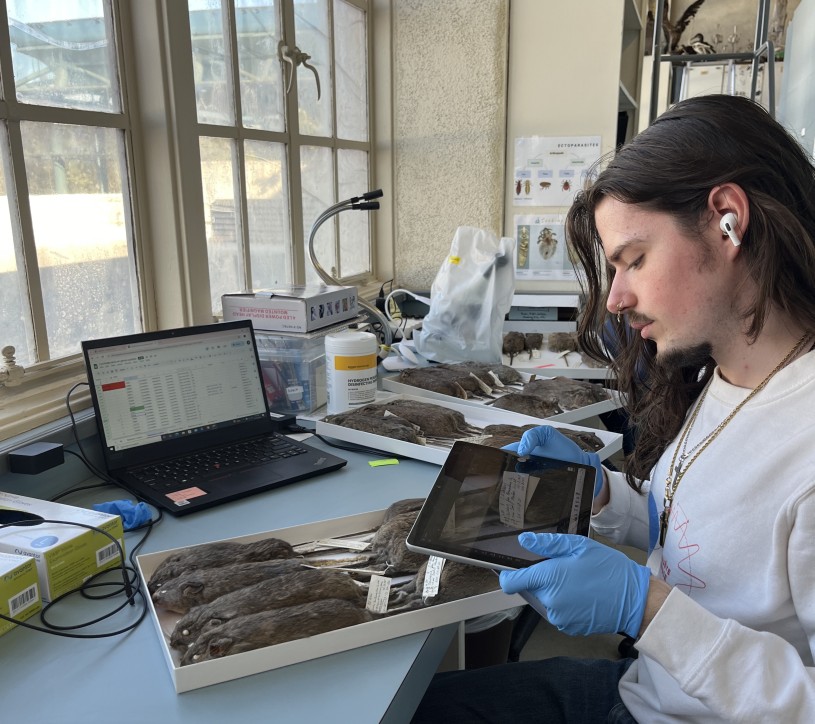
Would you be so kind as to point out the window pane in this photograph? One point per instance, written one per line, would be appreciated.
(316, 168)
(260, 68)
(210, 58)
(268, 204)
(352, 172)
(351, 72)
(75, 180)
(63, 55)
(222, 216)
(15, 316)
(311, 30)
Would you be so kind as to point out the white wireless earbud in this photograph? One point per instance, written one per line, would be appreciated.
(728, 226)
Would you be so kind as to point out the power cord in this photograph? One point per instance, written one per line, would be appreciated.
(131, 583)
(130, 586)
(353, 447)
(83, 456)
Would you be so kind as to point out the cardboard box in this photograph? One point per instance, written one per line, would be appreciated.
(19, 589)
(205, 673)
(292, 309)
(65, 555)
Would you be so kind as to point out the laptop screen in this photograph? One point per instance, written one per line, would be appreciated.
(173, 385)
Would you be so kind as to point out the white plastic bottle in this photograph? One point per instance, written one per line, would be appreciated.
(350, 366)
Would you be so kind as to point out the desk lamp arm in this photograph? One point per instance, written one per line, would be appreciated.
(356, 203)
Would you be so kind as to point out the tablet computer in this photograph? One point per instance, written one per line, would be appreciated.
(485, 497)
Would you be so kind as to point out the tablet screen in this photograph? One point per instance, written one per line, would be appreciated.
(484, 497)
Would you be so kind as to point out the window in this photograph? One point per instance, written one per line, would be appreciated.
(141, 177)
(281, 90)
(67, 268)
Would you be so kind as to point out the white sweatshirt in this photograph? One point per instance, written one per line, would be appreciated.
(735, 639)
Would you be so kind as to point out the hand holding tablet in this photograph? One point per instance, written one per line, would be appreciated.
(485, 497)
(584, 587)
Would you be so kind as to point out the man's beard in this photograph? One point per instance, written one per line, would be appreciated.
(694, 356)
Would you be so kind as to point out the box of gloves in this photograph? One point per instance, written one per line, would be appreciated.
(293, 308)
(65, 555)
(19, 589)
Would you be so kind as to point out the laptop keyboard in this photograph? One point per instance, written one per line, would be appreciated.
(187, 470)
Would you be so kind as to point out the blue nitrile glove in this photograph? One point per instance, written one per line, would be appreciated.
(133, 514)
(585, 586)
(545, 441)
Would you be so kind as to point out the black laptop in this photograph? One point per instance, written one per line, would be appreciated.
(184, 421)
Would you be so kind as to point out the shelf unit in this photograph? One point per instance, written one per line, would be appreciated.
(631, 58)
(761, 47)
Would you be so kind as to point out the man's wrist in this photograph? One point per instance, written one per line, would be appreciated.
(658, 591)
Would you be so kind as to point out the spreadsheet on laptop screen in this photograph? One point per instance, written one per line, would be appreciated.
(167, 388)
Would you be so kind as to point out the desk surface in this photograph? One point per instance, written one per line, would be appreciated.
(125, 678)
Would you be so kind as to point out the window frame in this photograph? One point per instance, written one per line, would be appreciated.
(293, 139)
(154, 57)
(40, 398)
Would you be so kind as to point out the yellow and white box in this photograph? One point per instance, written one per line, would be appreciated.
(65, 555)
(293, 308)
(19, 589)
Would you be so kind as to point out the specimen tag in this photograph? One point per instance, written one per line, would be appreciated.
(432, 576)
(378, 594)
(353, 545)
(512, 499)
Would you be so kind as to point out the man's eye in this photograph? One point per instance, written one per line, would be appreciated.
(636, 264)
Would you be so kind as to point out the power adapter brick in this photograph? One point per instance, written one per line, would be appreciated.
(36, 458)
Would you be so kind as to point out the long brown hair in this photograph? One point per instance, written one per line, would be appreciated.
(671, 167)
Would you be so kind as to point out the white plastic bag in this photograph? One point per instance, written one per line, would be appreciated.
(469, 299)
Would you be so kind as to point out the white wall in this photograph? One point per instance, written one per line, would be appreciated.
(444, 157)
(446, 135)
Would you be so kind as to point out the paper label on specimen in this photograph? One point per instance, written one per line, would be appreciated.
(541, 251)
(550, 169)
(352, 545)
(576, 500)
(512, 499)
(432, 576)
(378, 594)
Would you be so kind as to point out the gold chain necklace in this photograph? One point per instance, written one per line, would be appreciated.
(678, 468)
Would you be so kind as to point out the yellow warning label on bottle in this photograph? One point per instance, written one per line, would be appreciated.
(349, 363)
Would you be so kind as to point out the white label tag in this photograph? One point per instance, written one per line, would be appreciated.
(432, 576)
(576, 500)
(378, 594)
(512, 499)
(351, 545)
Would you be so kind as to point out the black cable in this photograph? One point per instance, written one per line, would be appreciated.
(353, 447)
(84, 487)
(131, 587)
(90, 467)
(85, 457)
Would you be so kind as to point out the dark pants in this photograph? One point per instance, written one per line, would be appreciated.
(559, 689)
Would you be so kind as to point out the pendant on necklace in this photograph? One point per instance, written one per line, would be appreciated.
(663, 523)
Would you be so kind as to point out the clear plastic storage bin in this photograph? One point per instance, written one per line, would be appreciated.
(293, 366)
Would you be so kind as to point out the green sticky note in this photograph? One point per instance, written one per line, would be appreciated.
(388, 461)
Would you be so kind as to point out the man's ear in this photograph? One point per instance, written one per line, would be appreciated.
(730, 211)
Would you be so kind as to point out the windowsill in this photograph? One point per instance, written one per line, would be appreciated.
(36, 409)
(40, 401)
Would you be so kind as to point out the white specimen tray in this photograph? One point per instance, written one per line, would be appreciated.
(556, 364)
(477, 415)
(392, 384)
(206, 673)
